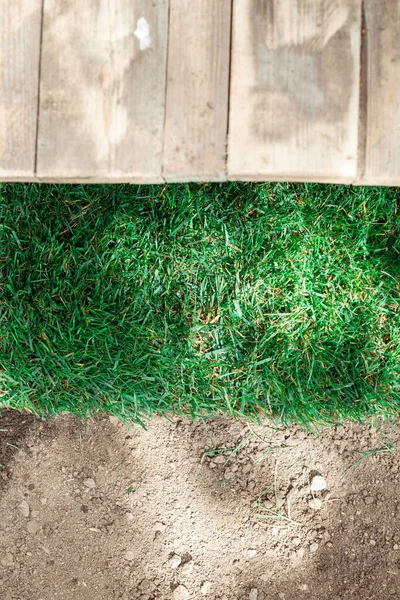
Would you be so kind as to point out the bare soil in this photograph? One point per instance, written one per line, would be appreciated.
(98, 511)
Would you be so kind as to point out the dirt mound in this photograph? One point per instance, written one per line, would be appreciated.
(194, 510)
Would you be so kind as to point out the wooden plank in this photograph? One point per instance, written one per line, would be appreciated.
(383, 98)
(197, 90)
(20, 24)
(295, 90)
(102, 93)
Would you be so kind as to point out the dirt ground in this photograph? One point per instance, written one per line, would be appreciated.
(197, 510)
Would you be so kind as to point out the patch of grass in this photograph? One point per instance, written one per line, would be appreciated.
(388, 447)
(242, 299)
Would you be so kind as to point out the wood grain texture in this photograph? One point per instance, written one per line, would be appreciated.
(20, 25)
(382, 164)
(197, 90)
(102, 89)
(295, 90)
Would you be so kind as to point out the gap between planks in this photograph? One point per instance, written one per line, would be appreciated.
(363, 104)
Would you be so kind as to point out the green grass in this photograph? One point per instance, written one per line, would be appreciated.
(265, 299)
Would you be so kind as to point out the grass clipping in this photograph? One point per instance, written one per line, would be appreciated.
(265, 299)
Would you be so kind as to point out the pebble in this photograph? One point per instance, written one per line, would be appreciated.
(296, 541)
(160, 527)
(326, 536)
(318, 483)
(43, 501)
(396, 547)
(205, 588)
(251, 553)
(253, 594)
(32, 527)
(372, 542)
(7, 560)
(301, 552)
(314, 547)
(181, 593)
(369, 500)
(114, 420)
(89, 483)
(24, 508)
(129, 555)
(315, 504)
(264, 577)
(175, 561)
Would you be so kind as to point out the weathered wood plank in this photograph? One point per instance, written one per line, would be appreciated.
(197, 90)
(20, 25)
(102, 103)
(295, 89)
(382, 164)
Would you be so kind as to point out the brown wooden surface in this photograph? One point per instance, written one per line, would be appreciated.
(20, 24)
(168, 90)
(103, 89)
(294, 89)
(382, 163)
(197, 90)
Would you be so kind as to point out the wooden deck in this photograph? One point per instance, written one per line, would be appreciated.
(200, 90)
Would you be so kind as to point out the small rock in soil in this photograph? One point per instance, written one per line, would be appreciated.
(89, 483)
(318, 484)
(369, 500)
(314, 547)
(251, 553)
(32, 527)
(205, 588)
(175, 561)
(253, 594)
(24, 508)
(129, 555)
(7, 560)
(181, 593)
(43, 501)
(315, 504)
(296, 541)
